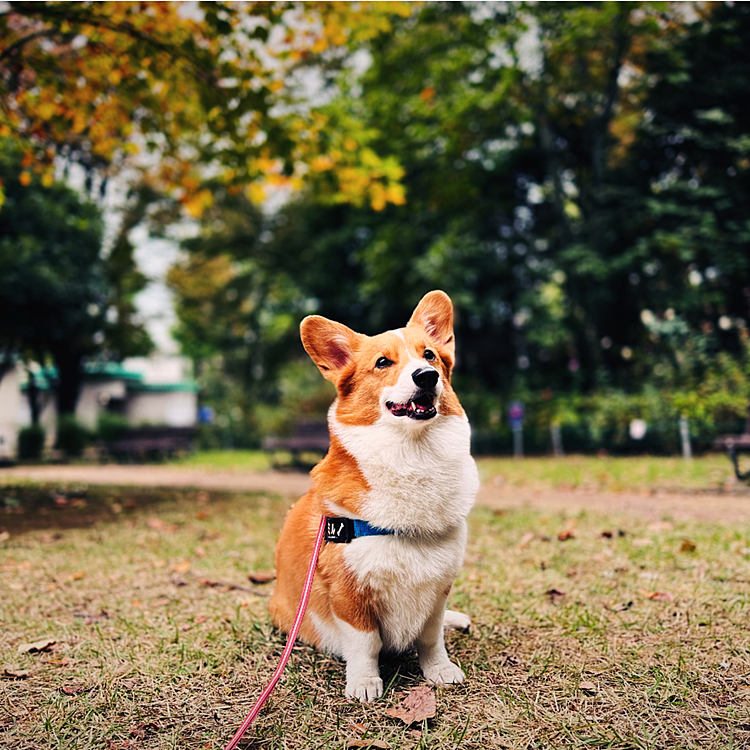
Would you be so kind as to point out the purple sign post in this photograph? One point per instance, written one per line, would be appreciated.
(515, 415)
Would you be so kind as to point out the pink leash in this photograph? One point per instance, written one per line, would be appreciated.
(306, 589)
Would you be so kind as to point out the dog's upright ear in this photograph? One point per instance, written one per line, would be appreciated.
(330, 345)
(435, 314)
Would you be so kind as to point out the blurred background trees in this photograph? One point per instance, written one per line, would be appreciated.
(574, 175)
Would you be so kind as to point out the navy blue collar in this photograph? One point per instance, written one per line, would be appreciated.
(343, 530)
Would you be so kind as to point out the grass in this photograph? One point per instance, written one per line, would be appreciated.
(613, 474)
(622, 635)
(610, 474)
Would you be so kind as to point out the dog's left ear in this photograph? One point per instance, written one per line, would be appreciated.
(435, 314)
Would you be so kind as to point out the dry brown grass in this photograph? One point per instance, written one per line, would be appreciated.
(160, 640)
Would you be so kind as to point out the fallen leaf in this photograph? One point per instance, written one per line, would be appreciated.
(566, 534)
(607, 534)
(77, 576)
(202, 515)
(13, 671)
(587, 687)
(657, 596)
(158, 525)
(201, 618)
(37, 646)
(262, 576)
(687, 546)
(526, 539)
(358, 728)
(181, 567)
(554, 595)
(367, 743)
(74, 689)
(418, 705)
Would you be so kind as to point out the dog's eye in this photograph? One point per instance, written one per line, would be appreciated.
(382, 363)
(429, 355)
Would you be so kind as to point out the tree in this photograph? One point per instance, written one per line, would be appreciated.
(57, 300)
(171, 87)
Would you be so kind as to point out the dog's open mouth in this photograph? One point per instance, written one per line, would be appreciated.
(421, 406)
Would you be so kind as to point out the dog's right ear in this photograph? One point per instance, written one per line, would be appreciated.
(331, 345)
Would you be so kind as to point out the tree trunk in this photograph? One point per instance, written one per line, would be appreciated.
(70, 379)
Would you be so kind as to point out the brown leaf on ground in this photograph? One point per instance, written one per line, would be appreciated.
(75, 688)
(181, 567)
(37, 646)
(687, 546)
(418, 705)
(158, 525)
(566, 534)
(262, 576)
(367, 743)
(12, 670)
(554, 595)
(657, 596)
(526, 539)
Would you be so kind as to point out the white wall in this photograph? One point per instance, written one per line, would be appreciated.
(10, 396)
(173, 408)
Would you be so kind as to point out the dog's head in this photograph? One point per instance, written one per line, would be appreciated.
(402, 376)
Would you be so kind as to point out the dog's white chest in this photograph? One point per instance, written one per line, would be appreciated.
(407, 577)
(422, 481)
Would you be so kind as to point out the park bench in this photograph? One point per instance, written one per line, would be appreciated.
(734, 445)
(149, 443)
(307, 436)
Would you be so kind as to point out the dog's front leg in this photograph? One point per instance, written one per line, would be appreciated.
(361, 649)
(433, 658)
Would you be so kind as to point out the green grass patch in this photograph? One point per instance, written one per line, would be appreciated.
(612, 474)
(234, 460)
(589, 632)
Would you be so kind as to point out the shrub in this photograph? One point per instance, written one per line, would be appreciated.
(71, 436)
(31, 442)
(110, 426)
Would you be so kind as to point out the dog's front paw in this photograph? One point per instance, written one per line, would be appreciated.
(443, 673)
(364, 689)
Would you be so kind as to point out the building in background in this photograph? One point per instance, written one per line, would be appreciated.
(154, 391)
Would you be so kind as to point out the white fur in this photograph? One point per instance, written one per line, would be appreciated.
(422, 477)
(423, 482)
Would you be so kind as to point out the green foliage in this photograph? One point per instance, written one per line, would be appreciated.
(31, 442)
(72, 436)
(576, 179)
(62, 300)
(110, 426)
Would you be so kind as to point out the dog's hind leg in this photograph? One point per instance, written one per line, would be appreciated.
(456, 621)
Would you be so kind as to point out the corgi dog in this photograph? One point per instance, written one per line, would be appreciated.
(396, 486)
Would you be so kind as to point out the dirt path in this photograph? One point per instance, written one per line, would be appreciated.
(727, 507)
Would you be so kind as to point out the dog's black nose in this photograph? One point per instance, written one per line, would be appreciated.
(425, 377)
